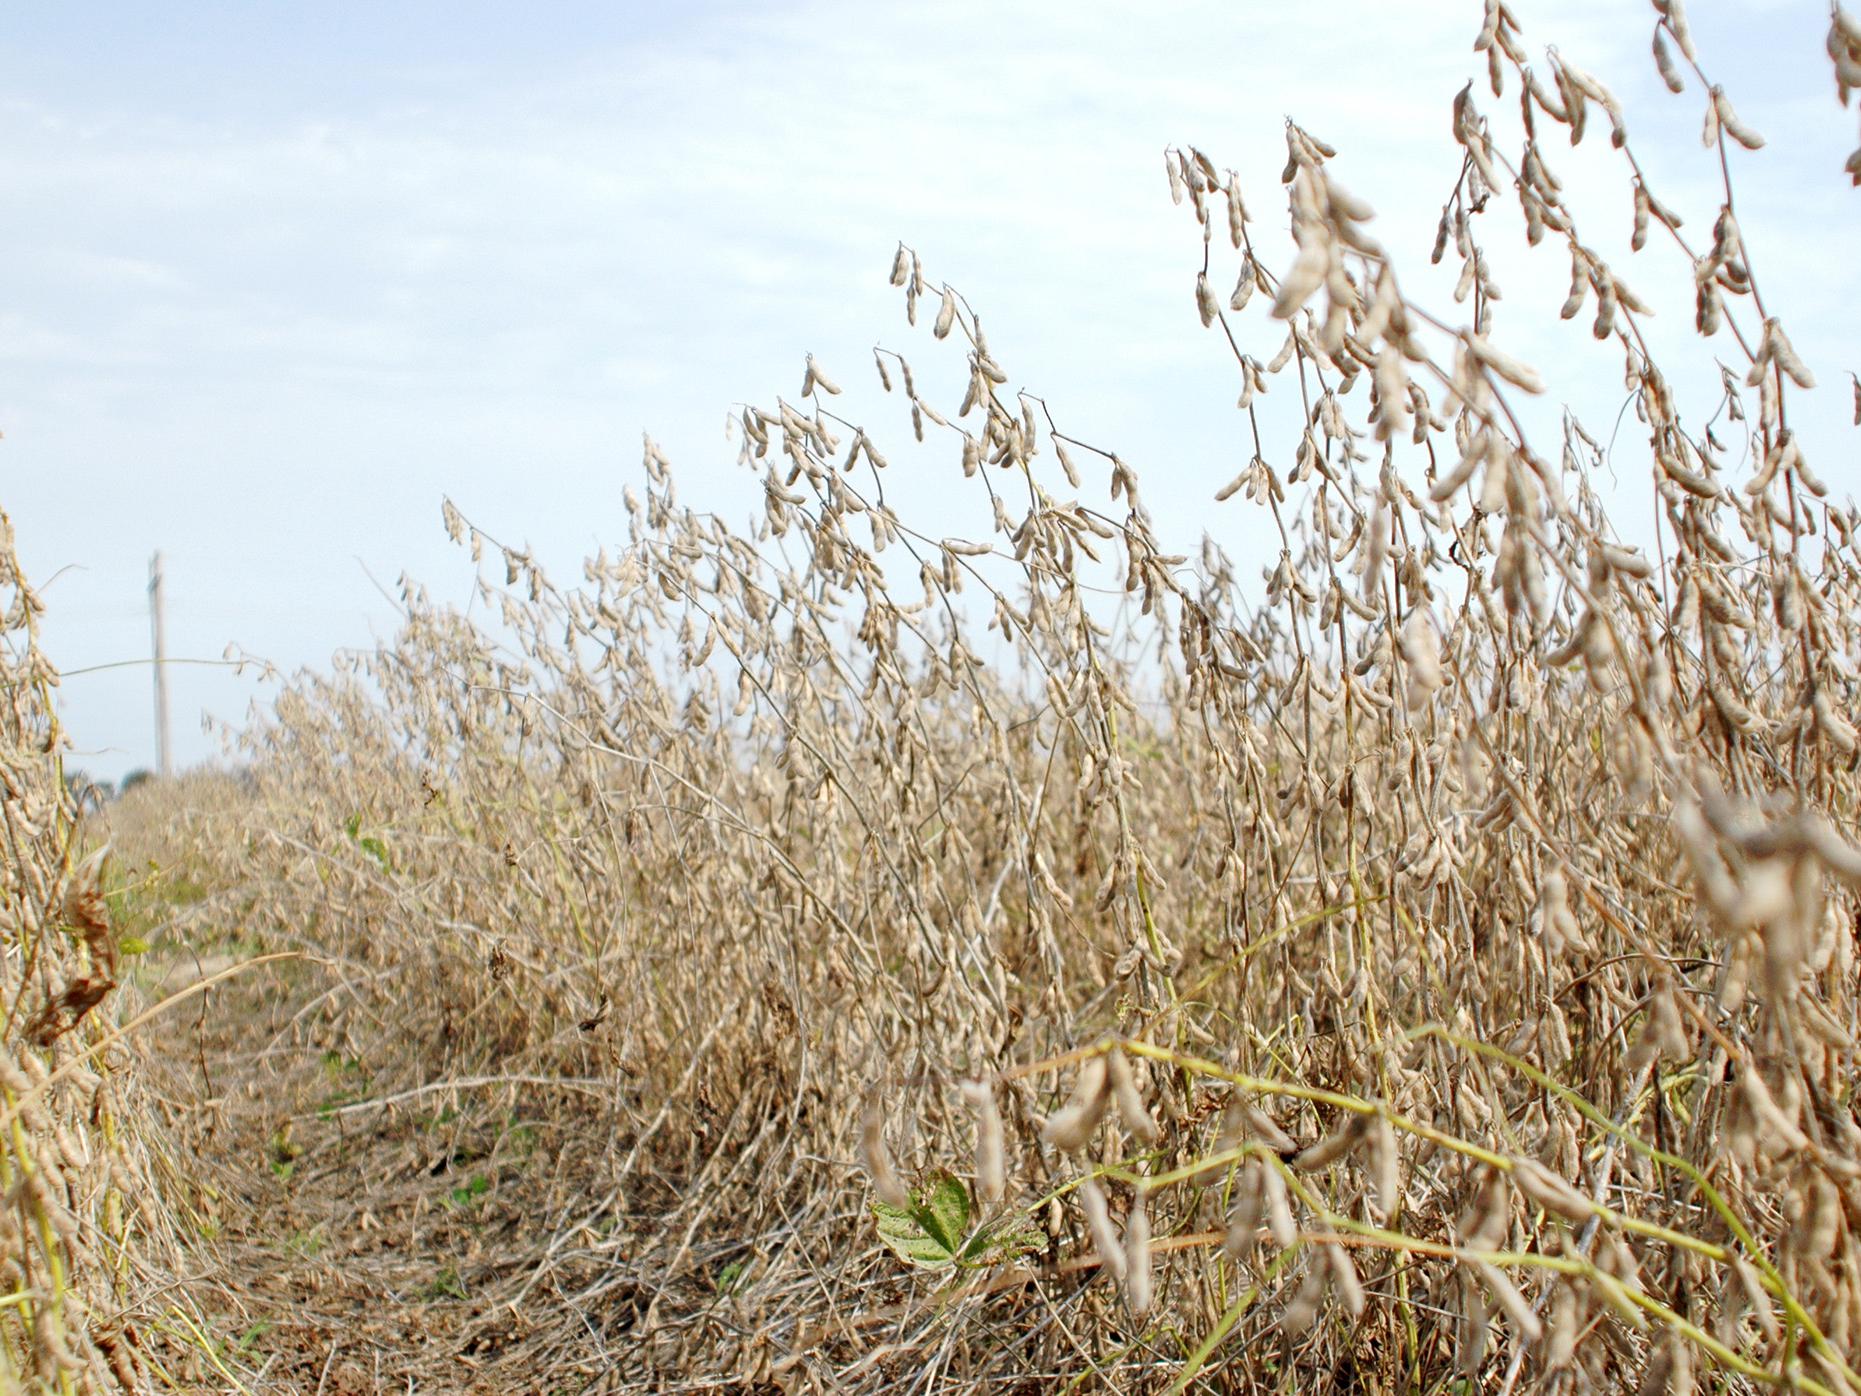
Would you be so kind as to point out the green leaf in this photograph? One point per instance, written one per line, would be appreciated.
(446, 1285)
(931, 1231)
(998, 1244)
(900, 1229)
(943, 1208)
(132, 945)
(470, 1192)
(376, 849)
(352, 826)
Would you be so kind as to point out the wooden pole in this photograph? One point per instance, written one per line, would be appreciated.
(161, 666)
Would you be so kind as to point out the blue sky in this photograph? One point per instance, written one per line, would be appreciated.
(277, 277)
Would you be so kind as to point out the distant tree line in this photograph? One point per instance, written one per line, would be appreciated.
(94, 792)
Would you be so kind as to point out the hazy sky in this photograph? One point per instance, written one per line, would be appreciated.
(277, 277)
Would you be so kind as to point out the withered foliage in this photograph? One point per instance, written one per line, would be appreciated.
(78, 1146)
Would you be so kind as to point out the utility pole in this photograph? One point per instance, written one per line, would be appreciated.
(161, 666)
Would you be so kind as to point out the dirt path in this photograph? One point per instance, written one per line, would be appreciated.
(370, 1237)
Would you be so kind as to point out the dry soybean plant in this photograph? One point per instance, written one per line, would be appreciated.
(87, 1252)
(1550, 1073)
(1434, 964)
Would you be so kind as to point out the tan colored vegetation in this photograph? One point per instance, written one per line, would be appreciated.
(1438, 965)
(88, 1252)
